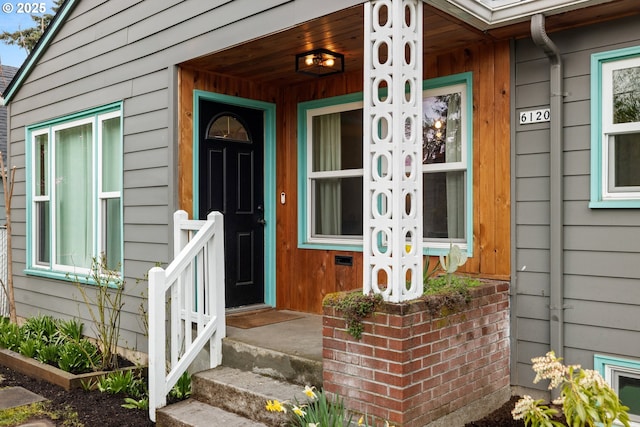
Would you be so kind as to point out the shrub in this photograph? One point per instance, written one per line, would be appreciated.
(586, 399)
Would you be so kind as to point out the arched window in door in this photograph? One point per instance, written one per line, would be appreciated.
(228, 126)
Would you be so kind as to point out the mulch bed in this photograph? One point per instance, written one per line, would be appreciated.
(93, 408)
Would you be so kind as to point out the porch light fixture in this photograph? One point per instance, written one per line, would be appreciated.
(319, 62)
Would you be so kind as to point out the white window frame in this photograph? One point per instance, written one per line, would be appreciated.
(312, 175)
(604, 194)
(463, 165)
(94, 117)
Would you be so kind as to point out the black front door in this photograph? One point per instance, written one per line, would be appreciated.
(231, 181)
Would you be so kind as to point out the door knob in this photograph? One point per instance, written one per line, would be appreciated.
(261, 221)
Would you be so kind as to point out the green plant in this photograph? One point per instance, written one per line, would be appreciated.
(122, 382)
(70, 329)
(130, 403)
(40, 327)
(48, 353)
(104, 308)
(586, 399)
(319, 410)
(354, 306)
(29, 347)
(10, 335)
(78, 356)
(182, 389)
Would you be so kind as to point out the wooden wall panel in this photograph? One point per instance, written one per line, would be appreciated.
(305, 276)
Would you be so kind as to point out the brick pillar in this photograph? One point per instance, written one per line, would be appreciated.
(412, 367)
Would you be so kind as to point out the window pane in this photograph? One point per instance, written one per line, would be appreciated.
(626, 95)
(112, 233)
(73, 201)
(337, 141)
(42, 170)
(111, 155)
(443, 207)
(626, 158)
(442, 129)
(228, 127)
(43, 256)
(338, 206)
(629, 392)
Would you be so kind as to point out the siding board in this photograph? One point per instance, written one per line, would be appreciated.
(601, 255)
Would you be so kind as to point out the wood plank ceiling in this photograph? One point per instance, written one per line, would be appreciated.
(271, 59)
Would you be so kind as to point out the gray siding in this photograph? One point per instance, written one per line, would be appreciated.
(602, 255)
(124, 50)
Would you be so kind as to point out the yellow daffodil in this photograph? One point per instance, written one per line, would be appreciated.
(298, 411)
(275, 406)
(361, 420)
(309, 392)
(313, 425)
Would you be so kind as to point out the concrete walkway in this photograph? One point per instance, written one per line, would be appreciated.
(13, 397)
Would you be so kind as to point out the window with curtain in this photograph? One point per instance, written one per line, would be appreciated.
(335, 172)
(75, 188)
(615, 101)
(330, 153)
(444, 165)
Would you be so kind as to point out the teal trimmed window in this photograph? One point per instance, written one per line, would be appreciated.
(623, 375)
(74, 193)
(615, 129)
(330, 179)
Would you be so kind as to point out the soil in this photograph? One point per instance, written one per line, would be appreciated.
(93, 407)
(102, 409)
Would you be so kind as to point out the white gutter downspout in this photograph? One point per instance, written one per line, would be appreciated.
(556, 199)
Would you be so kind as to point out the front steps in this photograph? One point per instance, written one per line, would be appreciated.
(235, 394)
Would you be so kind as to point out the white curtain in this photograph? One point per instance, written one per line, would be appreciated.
(455, 180)
(73, 201)
(326, 157)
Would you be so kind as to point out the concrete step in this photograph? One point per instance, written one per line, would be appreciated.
(287, 367)
(245, 393)
(192, 413)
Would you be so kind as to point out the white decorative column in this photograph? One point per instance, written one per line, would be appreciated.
(393, 149)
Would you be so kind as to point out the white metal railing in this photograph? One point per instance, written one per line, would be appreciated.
(191, 292)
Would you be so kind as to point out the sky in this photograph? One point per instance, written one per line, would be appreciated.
(14, 16)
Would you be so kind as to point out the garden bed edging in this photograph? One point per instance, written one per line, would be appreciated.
(412, 367)
(36, 369)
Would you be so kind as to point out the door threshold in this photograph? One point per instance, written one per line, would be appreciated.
(244, 308)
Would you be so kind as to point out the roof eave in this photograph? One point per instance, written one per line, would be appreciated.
(483, 16)
(37, 52)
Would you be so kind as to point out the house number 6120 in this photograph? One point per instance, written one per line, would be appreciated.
(535, 116)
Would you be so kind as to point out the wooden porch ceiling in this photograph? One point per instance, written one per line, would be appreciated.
(271, 59)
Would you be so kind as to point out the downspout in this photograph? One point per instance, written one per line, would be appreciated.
(556, 199)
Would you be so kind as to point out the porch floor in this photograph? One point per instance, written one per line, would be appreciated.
(301, 336)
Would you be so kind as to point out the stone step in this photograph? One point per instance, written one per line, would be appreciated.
(192, 413)
(272, 363)
(245, 393)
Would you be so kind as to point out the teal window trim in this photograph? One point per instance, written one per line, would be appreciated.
(602, 364)
(465, 79)
(80, 275)
(303, 195)
(269, 176)
(597, 168)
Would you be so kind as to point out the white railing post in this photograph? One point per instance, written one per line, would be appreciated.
(216, 260)
(157, 341)
(195, 279)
